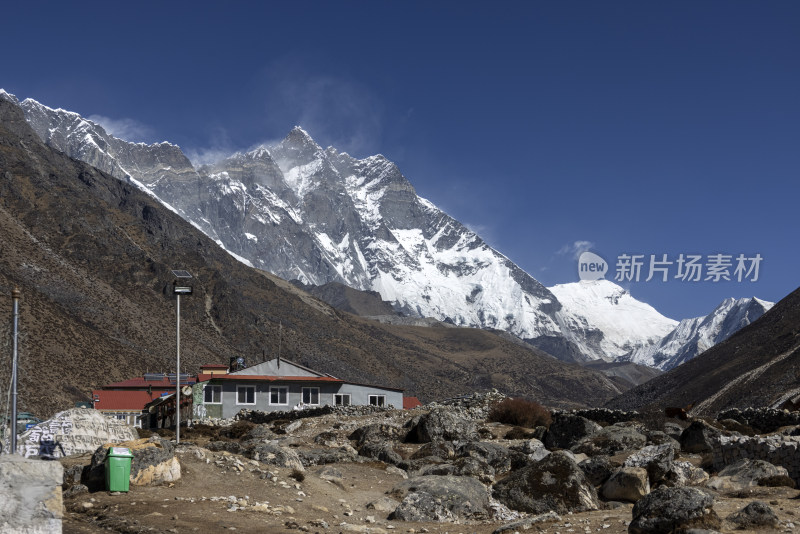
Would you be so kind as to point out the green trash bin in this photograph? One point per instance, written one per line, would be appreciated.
(118, 469)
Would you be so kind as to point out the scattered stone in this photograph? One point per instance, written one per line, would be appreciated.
(754, 516)
(384, 504)
(528, 522)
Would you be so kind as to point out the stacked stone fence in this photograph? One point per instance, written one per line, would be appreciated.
(604, 415)
(762, 419)
(777, 450)
(258, 417)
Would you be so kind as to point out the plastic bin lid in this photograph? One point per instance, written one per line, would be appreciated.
(120, 451)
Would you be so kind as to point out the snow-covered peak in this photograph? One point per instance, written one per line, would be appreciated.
(694, 336)
(8, 96)
(612, 322)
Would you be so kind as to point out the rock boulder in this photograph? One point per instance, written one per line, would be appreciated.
(554, 483)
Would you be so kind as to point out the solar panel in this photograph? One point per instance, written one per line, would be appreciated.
(153, 377)
(181, 274)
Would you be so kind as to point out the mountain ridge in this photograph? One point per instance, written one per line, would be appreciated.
(320, 216)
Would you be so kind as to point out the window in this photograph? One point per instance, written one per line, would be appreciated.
(341, 399)
(279, 395)
(246, 395)
(311, 396)
(212, 394)
(377, 400)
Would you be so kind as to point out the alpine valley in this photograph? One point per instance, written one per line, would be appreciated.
(319, 216)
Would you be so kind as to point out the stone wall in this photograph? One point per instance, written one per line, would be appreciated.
(30, 493)
(777, 450)
(604, 415)
(762, 419)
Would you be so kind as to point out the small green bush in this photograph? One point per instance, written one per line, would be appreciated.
(520, 412)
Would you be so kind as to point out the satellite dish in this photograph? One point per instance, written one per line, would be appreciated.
(186, 390)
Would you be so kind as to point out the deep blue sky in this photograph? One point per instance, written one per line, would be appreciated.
(639, 127)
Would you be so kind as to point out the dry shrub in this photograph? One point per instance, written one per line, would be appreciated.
(298, 475)
(520, 412)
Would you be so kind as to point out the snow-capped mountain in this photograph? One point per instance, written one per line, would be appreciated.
(318, 215)
(693, 336)
(604, 320)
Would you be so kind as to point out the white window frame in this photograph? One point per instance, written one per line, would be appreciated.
(214, 387)
(310, 391)
(278, 389)
(240, 388)
(340, 397)
(380, 400)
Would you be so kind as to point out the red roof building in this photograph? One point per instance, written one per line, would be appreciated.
(409, 403)
(125, 400)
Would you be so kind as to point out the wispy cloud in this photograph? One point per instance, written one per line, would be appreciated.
(575, 249)
(126, 129)
(219, 148)
(334, 109)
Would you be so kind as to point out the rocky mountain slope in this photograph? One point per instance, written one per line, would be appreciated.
(92, 255)
(757, 366)
(693, 336)
(320, 216)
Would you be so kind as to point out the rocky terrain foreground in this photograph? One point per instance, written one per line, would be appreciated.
(446, 468)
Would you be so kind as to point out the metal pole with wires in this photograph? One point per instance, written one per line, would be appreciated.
(15, 293)
(182, 288)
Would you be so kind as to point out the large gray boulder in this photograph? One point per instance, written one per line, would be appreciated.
(755, 516)
(441, 498)
(554, 483)
(499, 457)
(443, 424)
(627, 484)
(668, 510)
(612, 440)
(746, 473)
(274, 454)
(567, 430)
(656, 459)
(698, 437)
(74, 431)
(377, 442)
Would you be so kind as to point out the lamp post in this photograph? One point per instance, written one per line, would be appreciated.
(15, 293)
(180, 286)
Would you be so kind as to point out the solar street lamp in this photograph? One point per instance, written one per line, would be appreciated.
(180, 286)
